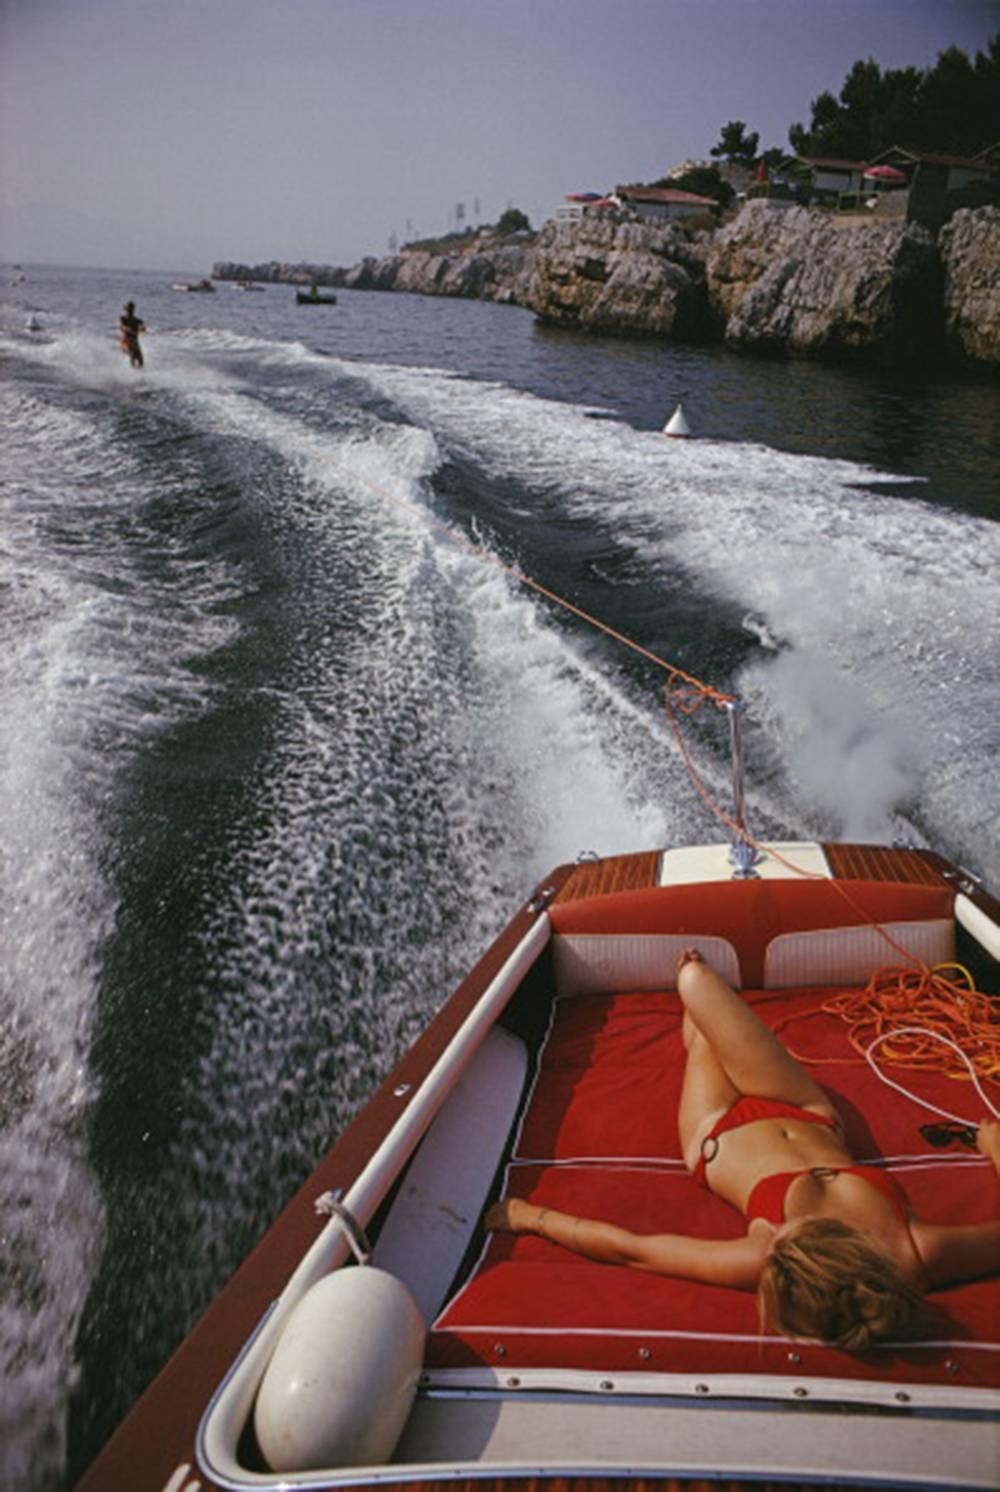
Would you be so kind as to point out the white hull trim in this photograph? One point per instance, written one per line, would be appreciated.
(227, 1414)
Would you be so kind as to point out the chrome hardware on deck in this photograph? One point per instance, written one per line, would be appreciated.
(541, 899)
(742, 854)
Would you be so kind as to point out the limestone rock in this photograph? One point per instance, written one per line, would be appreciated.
(774, 281)
(970, 253)
(795, 281)
(492, 271)
(619, 277)
(279, 272)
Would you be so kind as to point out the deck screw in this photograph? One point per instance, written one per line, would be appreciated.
(701, 1388)
(513, 1383)
(644, 1353)
(499, 1350)
(951, 1366)
(795, 1357)
(607, 1385)
(903, 1398)
(801, 1393)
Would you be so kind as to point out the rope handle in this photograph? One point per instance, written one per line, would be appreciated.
(329, 1205)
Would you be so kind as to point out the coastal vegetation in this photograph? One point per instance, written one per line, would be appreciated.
(953, 106)
(509, 222)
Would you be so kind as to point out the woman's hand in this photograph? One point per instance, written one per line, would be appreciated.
(988, 1140)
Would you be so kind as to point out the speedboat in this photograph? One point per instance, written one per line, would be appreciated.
(200, 287)
(314, 298)
(379, 1335)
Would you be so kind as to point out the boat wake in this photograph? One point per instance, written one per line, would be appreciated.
(272, 704)
(877, 594)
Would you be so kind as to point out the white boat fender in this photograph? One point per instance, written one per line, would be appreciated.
(342, 1378)
(677, 424)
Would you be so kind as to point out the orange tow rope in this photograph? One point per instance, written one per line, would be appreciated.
(946, 1011)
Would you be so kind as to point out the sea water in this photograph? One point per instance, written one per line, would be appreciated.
(284, 740)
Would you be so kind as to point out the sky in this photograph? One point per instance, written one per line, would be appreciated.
(168, 134)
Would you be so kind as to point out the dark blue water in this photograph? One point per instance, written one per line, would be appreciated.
(280, 748)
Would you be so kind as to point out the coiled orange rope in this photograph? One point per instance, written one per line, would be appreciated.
(948, 1007)
(912, 1012)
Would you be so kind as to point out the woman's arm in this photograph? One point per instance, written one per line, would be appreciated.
(988, 1141)
(951, 1253)
(736, 1262)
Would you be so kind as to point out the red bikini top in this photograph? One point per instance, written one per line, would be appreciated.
(767, 1200)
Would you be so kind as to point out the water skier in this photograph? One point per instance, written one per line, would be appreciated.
(129, 327)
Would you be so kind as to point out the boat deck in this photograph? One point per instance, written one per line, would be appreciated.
(599, 1139)
(861, 862)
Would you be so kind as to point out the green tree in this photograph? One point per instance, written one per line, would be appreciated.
(513, 221)
(953, 106)
(735, 145)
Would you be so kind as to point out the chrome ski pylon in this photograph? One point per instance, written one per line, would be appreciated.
(743, 854)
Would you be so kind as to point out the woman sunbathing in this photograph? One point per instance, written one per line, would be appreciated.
(833, 1249)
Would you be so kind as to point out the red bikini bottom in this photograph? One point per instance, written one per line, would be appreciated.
(745, 1111)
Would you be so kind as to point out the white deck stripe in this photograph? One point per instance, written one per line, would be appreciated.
(643, 1334)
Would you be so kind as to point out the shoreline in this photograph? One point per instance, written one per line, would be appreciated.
(772, 283)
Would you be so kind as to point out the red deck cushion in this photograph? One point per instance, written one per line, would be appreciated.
(750, 913)
(600, 1140)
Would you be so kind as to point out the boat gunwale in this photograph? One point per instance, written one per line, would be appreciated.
(190, 1377)
(385, 1164)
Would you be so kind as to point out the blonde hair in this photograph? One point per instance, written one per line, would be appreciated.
(824, 1281)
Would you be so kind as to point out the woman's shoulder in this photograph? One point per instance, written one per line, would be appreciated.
(951, 1252)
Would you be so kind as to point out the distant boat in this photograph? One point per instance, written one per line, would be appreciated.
(313, 298)
(201, 287)
(247, 285)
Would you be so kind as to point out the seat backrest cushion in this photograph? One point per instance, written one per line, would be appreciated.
(749, 916)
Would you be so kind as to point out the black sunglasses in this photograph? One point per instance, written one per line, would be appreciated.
(940, 1135)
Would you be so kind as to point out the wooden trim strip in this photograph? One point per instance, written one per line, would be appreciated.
(614, 873)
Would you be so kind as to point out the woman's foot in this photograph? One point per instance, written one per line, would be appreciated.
(688, 956)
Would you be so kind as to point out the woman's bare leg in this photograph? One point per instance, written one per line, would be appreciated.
(706, 1093)
(749, 1054)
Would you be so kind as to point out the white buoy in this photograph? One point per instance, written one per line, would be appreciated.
(343, 1375)
(677, 425)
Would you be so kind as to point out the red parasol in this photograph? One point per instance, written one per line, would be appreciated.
(885, 173)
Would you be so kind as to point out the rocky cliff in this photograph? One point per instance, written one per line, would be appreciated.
(486, 269)
(808, 283)
(620, 277)
(490, 270)
(773, 281)
(279, 272)
(970, 254)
